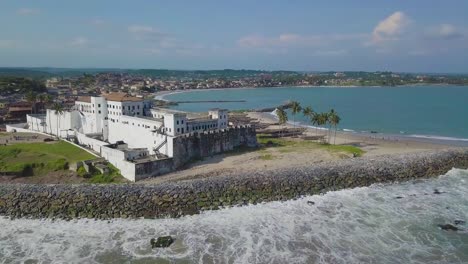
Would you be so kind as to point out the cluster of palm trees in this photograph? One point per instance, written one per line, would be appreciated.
(44, 100)
(329, 119)
(34, 98)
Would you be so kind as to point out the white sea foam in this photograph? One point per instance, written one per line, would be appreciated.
(439, 138)
(363, 225)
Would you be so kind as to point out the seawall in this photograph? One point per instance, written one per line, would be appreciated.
(190, 197)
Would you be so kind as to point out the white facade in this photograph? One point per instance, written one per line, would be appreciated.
(96, 122)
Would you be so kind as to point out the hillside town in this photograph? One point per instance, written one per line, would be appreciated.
(20, 96)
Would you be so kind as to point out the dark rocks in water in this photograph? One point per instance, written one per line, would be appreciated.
(448, 227)
(310, 202)
(436, 191)
(459, 222)
(161, 242)
(399, 197)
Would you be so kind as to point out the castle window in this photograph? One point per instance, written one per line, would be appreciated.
(178, 130)
(182, 121)
(177, 121)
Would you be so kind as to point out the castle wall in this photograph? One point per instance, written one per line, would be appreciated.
(198, 145)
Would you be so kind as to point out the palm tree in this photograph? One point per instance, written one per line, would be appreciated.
(334, 121)
(315, 120)
(58, 111)
(295, 108)
(322, 119)
(307, 111)
(41, 98)
(47, 100)
(31, 97)
(282, 116)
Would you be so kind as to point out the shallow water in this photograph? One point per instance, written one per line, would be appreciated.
(362, 225)
(434, 111)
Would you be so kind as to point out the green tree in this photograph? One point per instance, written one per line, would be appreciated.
(58, 111)
(323, 119)
(315, 120)
(31, 97)
(47, 100)
(295, 108)
(282, 116)
(334, 121)
(308, 111)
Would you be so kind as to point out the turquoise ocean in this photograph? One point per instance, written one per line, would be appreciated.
(438, 112)
(383, 223)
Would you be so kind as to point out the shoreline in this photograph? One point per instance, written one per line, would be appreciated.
(195, 196)
(161, 94)
(423, 138)
(430, 139)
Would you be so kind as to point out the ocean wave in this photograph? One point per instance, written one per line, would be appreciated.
(439, 138)
(377, 224)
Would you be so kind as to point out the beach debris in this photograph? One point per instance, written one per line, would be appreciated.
(310, 202)
(459, 222)
(449, 227)
(161, 242)
(399, 197)
(436, 191)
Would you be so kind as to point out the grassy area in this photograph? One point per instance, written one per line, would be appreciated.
(112, 177)
(285, 145)
(40, 158)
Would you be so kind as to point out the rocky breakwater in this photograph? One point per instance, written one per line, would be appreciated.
(190, 197)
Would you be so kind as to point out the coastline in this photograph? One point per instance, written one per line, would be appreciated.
(421, 138)
(192, 197)
(161, 94)
(351, 134)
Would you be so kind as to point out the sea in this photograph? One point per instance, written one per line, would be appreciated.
(422, 112)
(382, 223)
(397, 223)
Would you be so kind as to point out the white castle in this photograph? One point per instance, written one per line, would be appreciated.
(128, 131)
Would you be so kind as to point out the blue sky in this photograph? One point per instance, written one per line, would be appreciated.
(397, 35)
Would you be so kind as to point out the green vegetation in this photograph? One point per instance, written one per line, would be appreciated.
(267, 156)
(112, 177)
(40, 158)
(18, 85)
(288, 145)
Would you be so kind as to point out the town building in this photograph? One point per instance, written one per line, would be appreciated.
(139, 139)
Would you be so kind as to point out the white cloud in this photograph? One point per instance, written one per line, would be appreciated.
(331, 53)
(445, 31)
(27, 11)
(291, 39)
(390, 28)
(147, 33)
(79, 42)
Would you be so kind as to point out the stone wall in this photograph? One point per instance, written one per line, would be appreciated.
(199, 145)
(189, 197)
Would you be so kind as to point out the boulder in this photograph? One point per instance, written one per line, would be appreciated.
(161, 242)
(448, 227)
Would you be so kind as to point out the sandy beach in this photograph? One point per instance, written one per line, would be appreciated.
(302, 152)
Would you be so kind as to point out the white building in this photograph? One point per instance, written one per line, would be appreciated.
(125, 129)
